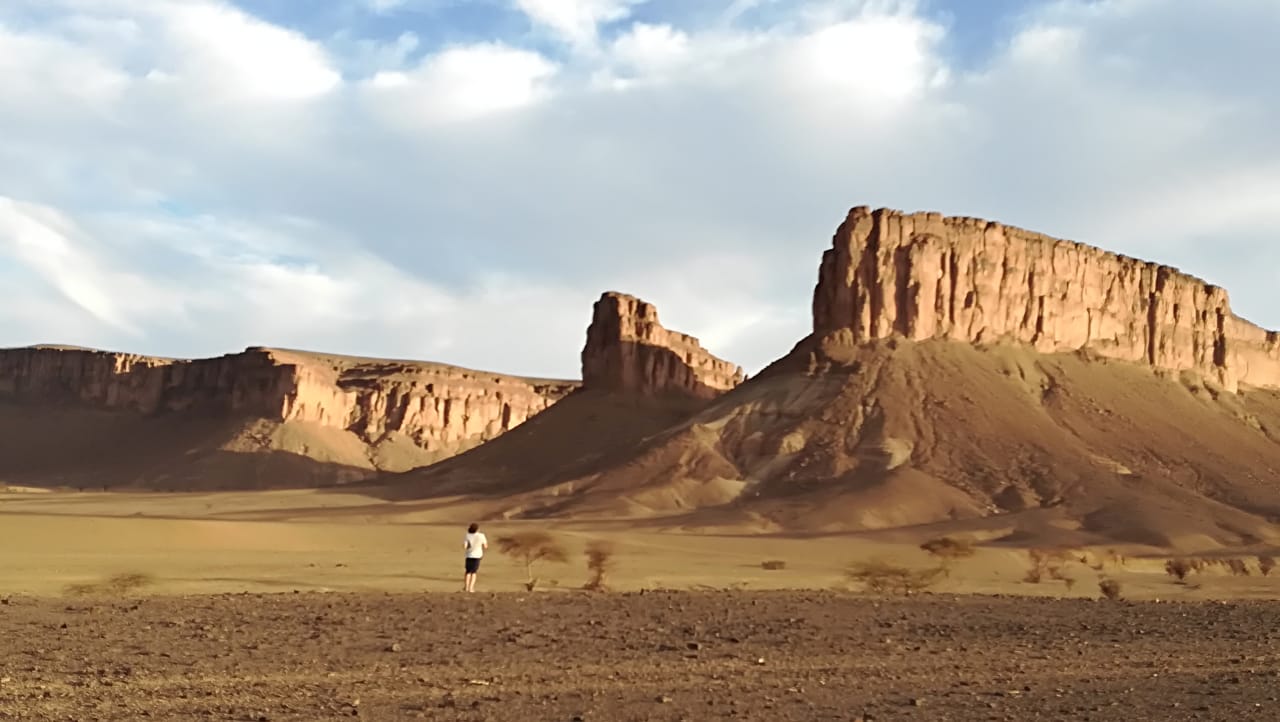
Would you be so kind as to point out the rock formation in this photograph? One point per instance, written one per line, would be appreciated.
(923, 276)
(441, 408)
(627, 349)
(940, 385)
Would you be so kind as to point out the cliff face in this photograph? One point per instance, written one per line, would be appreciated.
(923, 276)
(627, 349)
(440, 408)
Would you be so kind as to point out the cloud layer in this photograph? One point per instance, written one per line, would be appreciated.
(189, 178)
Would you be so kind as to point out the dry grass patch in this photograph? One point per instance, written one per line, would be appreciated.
(113, 586)
(881, 577)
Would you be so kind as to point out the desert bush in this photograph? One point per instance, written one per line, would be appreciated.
(1048, 563)
(1182, 567)
(773, 565)
(1099, 561)
(1237, 567)
(1110, 588)
(881, 577)
(949, 548)
(600, 561)
(111, 586)
(530, 547)
(1266, 564)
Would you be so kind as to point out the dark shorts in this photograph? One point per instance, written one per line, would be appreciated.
(473, 565)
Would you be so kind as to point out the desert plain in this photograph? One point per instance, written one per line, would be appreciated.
(314, 605)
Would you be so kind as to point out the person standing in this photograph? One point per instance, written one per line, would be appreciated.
(474, 543)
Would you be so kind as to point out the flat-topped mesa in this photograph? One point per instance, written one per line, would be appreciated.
(627, 349)
(924, 276)
(441, 408)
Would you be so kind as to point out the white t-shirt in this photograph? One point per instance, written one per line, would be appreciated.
(475, 544)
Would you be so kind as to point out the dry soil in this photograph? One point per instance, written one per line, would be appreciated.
(635, 656)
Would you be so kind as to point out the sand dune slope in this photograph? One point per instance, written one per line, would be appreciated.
(1051, 448)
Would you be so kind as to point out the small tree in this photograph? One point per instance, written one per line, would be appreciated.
(880, 577)
(949, 550)
(530, 547)
(1266, 564)
(1049, 563)
(1110, 588)
(1237, 567)
(600, 562)
(1181, 567)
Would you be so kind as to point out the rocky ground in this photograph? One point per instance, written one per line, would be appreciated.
(650, 656)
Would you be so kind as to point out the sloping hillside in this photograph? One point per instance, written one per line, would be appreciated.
(981, 410)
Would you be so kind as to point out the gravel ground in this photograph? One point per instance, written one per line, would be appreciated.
(638, 656)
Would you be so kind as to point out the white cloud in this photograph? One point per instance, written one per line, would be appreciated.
(241, 56)
(888, 57)
(647, 46)
(476, 199)
(577, 21)
(465, 82)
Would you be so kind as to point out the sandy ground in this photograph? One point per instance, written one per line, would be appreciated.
(632, 656)
(367, 622)
(333, 541)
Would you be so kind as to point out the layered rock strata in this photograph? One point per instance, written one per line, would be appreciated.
(627, 349)
(441, 408)
(924, 276)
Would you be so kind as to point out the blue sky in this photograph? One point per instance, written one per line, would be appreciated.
(458, 180)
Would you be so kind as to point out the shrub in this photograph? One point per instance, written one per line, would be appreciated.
(1182, 567)
(111, 586)
(773, 565)
(949, 548)
(1110, 588)
(1266, 564)
(1237, 567)
(1046, 563)
(880, 577)
(600, 562)
(530, 547)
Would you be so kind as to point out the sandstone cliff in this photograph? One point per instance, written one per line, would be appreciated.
(627, 349)
(923, 276)
(442, 409)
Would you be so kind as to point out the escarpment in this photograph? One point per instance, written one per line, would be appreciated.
(925, 276)
(940, 386)
(627, 349)
(273, 418)
(441, 409)
(639, 379)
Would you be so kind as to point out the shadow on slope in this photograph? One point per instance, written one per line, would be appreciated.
(997, 440)
(93, 449)
(586, 430)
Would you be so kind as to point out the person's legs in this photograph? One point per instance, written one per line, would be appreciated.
(469, 582)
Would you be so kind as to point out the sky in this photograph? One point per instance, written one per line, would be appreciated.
(459, 180)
